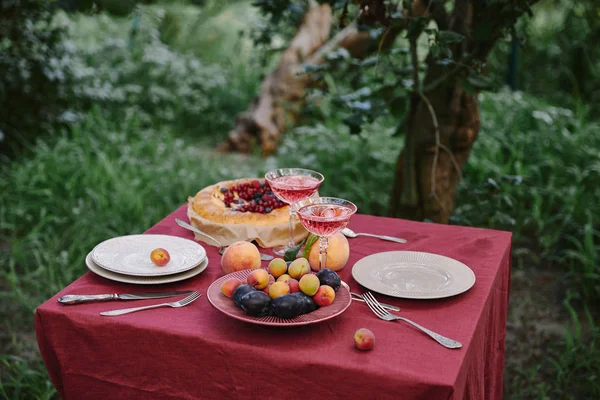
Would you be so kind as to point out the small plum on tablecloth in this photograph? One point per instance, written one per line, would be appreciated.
(364, 339)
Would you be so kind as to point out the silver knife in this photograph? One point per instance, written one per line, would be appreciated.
(84, 298)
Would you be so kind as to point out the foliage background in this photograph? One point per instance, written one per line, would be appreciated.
(119, 122)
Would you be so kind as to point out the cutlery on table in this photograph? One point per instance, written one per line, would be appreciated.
(351, 234)
(358, 297)
(183, 224)
(378, 310)
(84, 298)
(174, 304)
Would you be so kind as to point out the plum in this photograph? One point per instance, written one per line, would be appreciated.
(330, 278)
(288, 306)
(256, 304)
(308, 304)
(240, 291)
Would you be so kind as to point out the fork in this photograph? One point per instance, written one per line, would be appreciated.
(386, 316)
(174, 304)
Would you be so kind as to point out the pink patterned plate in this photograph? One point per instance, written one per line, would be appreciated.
(227, 306)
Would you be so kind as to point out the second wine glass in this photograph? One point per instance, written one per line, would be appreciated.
(324, 216)
(291, 185)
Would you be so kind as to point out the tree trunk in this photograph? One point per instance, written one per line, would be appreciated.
(282, 92)
(428, 170)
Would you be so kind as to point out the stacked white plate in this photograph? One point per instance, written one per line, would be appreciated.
(127, 259)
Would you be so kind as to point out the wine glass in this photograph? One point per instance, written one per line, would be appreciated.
(291, 185)
(324, 216)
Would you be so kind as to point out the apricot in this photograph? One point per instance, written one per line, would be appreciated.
(277, 267)
(298, 268)
(324, 296)
(309, 284)
(160, 257)
(278, 289)
(294, 285)
(258, 279)
(284, 278)
(239, 256)
(229, 286)
(338, 252)
(364, 339)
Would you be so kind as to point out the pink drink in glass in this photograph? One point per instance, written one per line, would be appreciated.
(324, 216)
(291, 185)
(325, 220)
(294, 188)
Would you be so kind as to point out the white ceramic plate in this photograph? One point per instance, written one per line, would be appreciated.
(130, 255)
(144, 280)
(413, 275)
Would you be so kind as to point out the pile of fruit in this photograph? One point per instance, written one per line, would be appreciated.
(283, 290)
(255, 196)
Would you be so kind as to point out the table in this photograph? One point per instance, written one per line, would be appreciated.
(196, 352)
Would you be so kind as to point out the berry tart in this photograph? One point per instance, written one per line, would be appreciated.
(242, 209)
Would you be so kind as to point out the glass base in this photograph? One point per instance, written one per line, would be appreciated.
(280, 250)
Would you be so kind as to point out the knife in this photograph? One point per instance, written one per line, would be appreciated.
(84, 298)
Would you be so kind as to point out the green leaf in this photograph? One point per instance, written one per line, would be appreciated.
(415, 28)
(292, 252)
(447, 37)
(312, 238)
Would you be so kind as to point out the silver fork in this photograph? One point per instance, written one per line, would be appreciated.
(386, 316)
(174, 304)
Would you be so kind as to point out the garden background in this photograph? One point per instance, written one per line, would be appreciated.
(111, 111)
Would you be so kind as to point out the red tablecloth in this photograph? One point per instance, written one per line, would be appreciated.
(197, 352)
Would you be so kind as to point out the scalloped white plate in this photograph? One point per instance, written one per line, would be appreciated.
(413, 275)
(130, 255)
(144, 280)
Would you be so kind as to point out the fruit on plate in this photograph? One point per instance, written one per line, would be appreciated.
(258, 278)
(282, 298)
(308, 304)
(278, 289)
(298, 268)
(240, 291)
(160, 257)
(256, 304)
(240, 255)
(309, 284)
(324, 296)
(294, 285)
(288, 306)
(229, 286)
(277, 267)
(338, 252)
(364, 339)
(330, 278)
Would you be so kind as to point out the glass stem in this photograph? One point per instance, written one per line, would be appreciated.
(323, 243)
(291, 242)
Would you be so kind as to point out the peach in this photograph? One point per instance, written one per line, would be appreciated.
(239, 256)
(258, 279)
(338, 252)
(277, 267)
(284, 278)
(298, 268)
(266, 289)
(160, 257)
(278, 289)
(324, 296)
(229, 286)
(309, 284)
(364, 339)
(294, 285)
